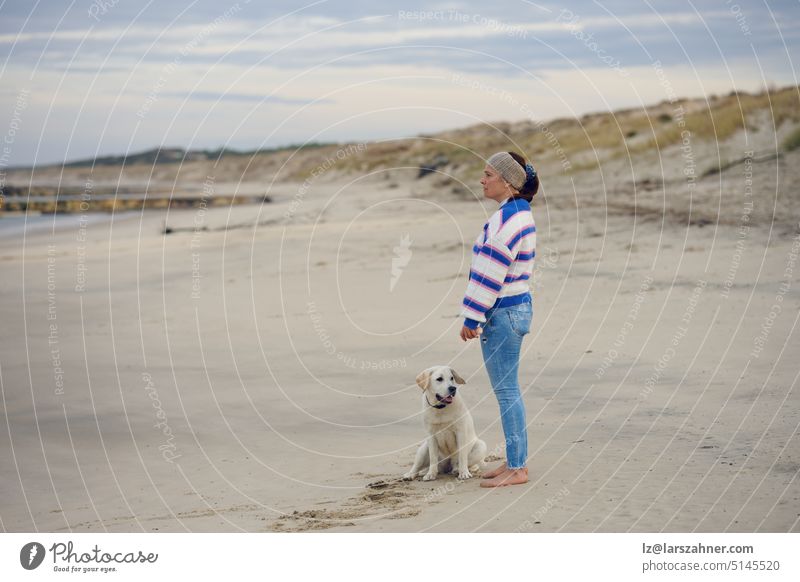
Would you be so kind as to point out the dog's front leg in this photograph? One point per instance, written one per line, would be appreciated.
(419, 461)
(463, 455)
(433, 458)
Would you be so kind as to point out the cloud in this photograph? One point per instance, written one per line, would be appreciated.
(247, 97)
(349, 74)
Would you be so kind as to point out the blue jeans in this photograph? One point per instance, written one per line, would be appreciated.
(501, 341)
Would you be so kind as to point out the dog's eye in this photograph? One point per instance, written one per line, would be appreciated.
(439, 379)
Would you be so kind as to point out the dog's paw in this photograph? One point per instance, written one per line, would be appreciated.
(464, 475)
(409, 476)
(429, 476)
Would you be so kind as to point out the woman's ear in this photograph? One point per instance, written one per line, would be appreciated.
(459, 379)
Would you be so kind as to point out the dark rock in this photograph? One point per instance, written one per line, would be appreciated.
(435, 164)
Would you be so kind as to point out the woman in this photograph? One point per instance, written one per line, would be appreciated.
(497, 305)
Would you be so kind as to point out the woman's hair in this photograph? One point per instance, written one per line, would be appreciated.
(531, 185)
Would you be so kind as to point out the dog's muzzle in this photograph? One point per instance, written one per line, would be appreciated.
(446, 399)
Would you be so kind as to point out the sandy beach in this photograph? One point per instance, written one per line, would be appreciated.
(254, 369)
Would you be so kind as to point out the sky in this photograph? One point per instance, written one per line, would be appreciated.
(105, 77)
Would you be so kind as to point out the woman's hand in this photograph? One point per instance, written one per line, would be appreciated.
(468, 333)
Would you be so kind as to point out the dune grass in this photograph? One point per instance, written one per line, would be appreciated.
(792, 141)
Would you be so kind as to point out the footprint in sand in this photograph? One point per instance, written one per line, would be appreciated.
(391, 498)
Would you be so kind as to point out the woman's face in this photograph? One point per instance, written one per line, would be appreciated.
(494, 187)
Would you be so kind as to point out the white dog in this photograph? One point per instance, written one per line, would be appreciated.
(451, 441)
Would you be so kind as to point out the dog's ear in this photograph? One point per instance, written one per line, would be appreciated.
(459, 379)
(424, 379)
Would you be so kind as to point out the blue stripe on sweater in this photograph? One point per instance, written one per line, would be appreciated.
(526, 256)
(525, 231)
(474, 305)
(484, 280)
(495, 254)
(510, 300)
(514, 206)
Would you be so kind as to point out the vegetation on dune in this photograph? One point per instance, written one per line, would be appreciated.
(792, 141)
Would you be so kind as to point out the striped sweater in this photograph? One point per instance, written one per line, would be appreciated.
(502, 262)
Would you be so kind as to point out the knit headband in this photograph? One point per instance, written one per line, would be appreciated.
(509, 169)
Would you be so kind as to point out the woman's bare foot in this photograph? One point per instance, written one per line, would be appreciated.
(495, 472)
(507, 477)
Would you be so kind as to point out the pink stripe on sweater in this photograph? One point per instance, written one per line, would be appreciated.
(468, 308)
(481, 284)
